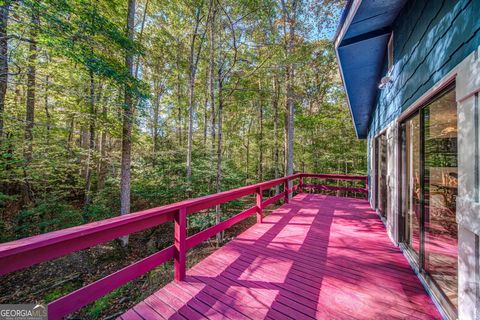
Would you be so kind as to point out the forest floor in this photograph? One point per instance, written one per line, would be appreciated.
(48, 281)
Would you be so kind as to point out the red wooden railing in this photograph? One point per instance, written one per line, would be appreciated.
(23, 253)
(336, 188)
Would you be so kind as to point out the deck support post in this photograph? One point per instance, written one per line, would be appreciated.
(259, 205)
(180, 256)
(285, 190)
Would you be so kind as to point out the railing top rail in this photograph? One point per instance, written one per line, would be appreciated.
(98, 232)
(334, 176)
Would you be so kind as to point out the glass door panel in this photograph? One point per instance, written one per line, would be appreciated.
(441, 181)
(382, 174)
(413, 189)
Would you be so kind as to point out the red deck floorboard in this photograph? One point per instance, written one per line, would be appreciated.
(317, 257)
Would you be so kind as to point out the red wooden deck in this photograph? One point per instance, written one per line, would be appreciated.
(317, 257)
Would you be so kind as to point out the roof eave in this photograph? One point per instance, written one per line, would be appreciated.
(349, 12)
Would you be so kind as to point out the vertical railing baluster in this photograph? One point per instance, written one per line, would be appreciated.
(300, 184)
(285, 189)
(259, 205)
(180, 259)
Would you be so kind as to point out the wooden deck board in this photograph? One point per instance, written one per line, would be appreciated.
(317, 257)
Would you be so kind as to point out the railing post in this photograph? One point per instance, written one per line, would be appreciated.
(285, 189)
(300, 185)
(366, 187)
(180, 258)
(259, 205)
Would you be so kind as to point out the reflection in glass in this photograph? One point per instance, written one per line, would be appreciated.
(440, 193)
(413, 205)
(382, 174)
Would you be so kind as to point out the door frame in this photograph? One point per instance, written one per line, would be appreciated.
(418, 262)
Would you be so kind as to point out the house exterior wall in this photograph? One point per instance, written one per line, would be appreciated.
(468, 200)
(436, 42)
(430, 39)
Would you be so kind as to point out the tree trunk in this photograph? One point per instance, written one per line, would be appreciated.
(275, 128)
(218, 211)
(260, 138)
(211, 68)
(4, 11)
(211, 80)
(290, 119)
(101, 144)
(205, 115)
(142, 26)
(192, 71)
(156, 111)
(127, 125)
(71, 128)
(101, 172)
(247, 146)
(31, 87)
(289, 17)
(179, 95)
(47, 108)
(91, 146)
(193, 64)
(30, 107)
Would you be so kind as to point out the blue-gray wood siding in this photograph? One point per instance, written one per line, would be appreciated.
(430, 39)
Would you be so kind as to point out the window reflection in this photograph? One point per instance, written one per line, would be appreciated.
(440, 193)
(412, 140)
(382, 174)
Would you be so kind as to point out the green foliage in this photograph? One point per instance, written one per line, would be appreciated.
(80, 86)
(5, 198)
(105, 202)
(98, 211)
(76, 29)
(47, 215)
(96, 309)
(60, 292)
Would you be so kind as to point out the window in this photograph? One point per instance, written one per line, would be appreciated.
(390, 53)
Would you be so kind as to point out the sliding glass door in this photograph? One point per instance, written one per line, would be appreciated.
(429, 169)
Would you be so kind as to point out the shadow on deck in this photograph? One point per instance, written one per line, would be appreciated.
(316, 257)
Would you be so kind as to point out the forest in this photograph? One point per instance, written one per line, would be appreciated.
(155, 101)
(112, 106)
